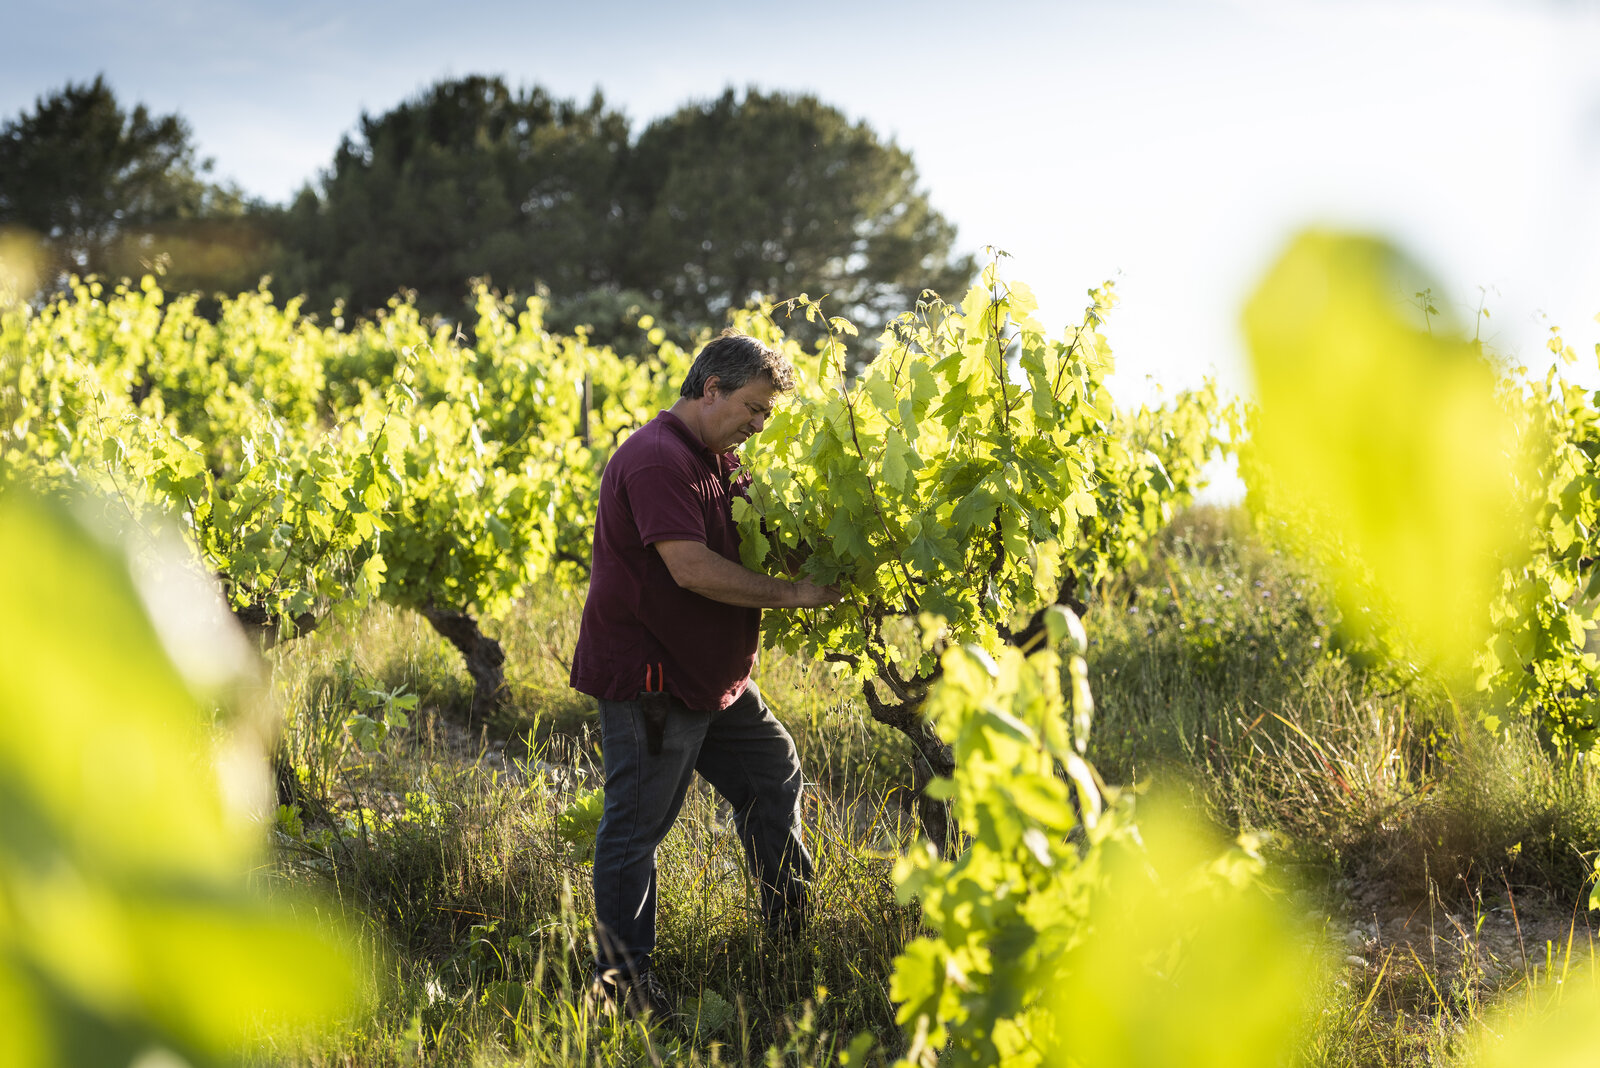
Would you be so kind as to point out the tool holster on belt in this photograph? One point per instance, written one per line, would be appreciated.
(654, 702)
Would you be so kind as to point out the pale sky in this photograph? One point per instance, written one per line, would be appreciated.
(1174, 147)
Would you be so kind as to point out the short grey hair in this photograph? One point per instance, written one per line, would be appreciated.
(733, 359)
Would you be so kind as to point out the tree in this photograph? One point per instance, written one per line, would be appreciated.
(97, 184)
(779, 194)
(468, 179)
(714, 205)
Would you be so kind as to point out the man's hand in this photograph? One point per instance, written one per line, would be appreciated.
(710, 574)
(813, 596)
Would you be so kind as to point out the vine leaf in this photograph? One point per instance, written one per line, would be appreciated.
(1388, 439)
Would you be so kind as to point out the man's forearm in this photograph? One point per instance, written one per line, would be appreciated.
(710, 574)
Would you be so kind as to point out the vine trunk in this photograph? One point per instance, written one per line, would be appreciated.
(485, 659)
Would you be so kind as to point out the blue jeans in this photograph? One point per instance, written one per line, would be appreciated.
(742, 751)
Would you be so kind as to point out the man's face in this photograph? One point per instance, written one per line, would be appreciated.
(733, 418)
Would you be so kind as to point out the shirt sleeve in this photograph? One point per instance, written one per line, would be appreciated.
(665, 505)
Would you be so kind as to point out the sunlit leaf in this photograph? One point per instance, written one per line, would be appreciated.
(1180, 969)
(1387, 439)
(123, 869)
(1552, 1026)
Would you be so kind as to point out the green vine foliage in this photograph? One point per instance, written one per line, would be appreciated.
(1147, 466)
(475, 527)
(1067, 931)
(134, 928)
(286, 513)
(208, 381)
(1539, 662)
(314, 467)
(970, 471)
(560, 407)
(972, 467)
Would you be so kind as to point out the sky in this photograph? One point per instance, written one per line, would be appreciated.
(1171, 147)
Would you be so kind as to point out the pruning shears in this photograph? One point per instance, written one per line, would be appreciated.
(654, 703)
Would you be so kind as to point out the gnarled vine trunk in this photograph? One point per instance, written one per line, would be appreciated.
(266, 630)
(485, 659)
(934, 758)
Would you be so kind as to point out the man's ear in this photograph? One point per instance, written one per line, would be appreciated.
(712, 383)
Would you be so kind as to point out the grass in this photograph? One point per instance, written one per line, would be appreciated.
(447, 845)
(1224, 663)
(1462, 858)
(1443, 865)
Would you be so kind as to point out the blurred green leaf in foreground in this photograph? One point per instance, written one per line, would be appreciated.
(1555, 1024)
(1191, 960)
(128, 926)
(1393, 450)
(1384, 443)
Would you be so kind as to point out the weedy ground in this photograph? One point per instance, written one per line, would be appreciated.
(1446, 868)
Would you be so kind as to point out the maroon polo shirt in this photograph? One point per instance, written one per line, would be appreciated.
(663, 484)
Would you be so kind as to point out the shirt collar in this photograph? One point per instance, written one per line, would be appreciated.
(724, 464)
(680, 428)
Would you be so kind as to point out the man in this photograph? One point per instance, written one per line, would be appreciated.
(667, 643)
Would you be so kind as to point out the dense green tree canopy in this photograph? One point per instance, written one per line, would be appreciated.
(714, 205)
(719, 203)
(467, 179)
(95, 182)
(778, 194)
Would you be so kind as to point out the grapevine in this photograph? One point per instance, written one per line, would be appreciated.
(938, 492)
